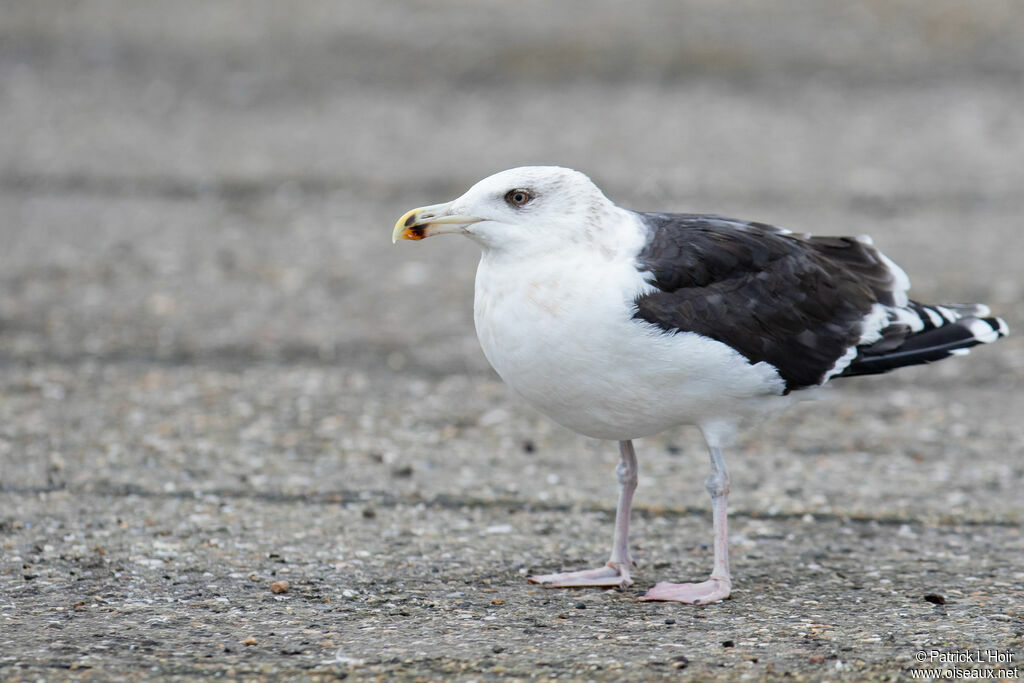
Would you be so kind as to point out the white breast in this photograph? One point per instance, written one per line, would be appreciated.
(559, 330)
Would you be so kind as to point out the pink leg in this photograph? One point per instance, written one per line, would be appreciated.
(718, 584)
(616, 571)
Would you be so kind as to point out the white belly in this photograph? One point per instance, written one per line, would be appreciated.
(562, 335)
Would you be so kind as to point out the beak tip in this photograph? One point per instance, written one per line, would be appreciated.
(397, 233)
(403, 224)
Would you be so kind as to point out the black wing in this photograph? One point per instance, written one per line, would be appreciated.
(794, 301)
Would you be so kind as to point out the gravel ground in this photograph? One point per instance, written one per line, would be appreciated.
(218, 377)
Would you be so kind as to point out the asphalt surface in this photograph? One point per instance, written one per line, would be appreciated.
(218, 375)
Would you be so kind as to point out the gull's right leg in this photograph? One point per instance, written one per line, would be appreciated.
(719, 584)
(616, 571)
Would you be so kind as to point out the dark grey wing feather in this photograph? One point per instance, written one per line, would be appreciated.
(794, 301)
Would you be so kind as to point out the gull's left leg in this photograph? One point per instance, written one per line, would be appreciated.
(616, 571)
(718, 584)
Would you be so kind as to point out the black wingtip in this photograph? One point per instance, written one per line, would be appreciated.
(930, 345)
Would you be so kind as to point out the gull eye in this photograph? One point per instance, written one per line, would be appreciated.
(517, 197)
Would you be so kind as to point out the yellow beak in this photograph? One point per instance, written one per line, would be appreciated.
(427, 221)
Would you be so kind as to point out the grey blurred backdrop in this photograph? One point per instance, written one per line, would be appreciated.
(205, 178)
(199, 297)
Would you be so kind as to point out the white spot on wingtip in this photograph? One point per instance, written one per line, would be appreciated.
(982, 331)
(905, 317)
(933, 317)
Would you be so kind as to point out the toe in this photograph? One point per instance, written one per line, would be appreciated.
(603, 576)
(689, 593)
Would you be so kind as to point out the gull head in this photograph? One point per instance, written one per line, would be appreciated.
(522, 209)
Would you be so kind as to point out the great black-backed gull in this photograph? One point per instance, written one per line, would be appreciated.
(619, 324)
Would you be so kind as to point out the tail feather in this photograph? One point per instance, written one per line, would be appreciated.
(924, 334)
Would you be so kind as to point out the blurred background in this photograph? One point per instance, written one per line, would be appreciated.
(217, 179)
(214, 361)
(196, 266)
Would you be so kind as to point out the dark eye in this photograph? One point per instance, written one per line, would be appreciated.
(518, 197)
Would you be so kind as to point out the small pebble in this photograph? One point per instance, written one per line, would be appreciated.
(935, 598)
(670, 621)
(581, 605)
(279, 587)
(250, 641)
(680, 662)
(728, 643)
(816, 659)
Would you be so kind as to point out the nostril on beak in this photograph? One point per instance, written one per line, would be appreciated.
(410, 220)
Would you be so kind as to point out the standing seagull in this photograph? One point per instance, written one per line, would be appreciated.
(619, 325)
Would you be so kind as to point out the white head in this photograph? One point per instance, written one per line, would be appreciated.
(522, 209)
